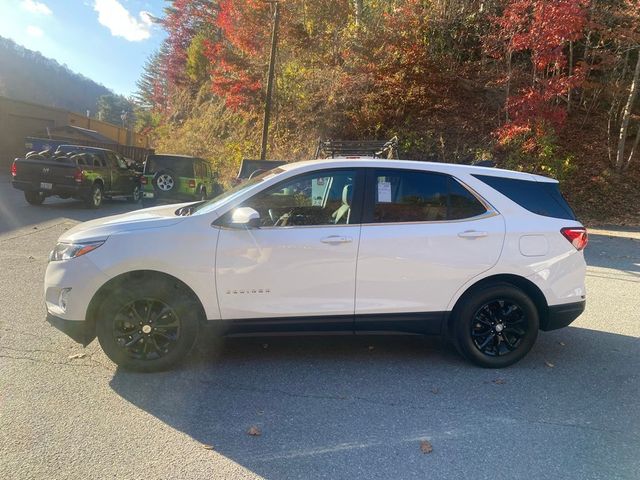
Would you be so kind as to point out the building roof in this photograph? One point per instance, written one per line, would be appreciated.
(75, 134)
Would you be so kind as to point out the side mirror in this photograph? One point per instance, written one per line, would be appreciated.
(245, 217)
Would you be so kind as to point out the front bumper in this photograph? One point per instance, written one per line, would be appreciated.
(81, 331)
(560, 316)
(76, 191)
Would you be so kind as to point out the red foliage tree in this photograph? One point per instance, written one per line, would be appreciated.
(183, 20)
(237, 56)
(543, 28)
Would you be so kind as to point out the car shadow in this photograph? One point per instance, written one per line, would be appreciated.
(357, 407)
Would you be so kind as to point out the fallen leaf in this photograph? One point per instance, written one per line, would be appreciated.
(265, 345)
(35, 228)
(499, 381)
(77, 355)
(207, 447)
(31, 257)
(425, 446)
(254, 431)
(549, 364)
(435, 391)
(562, 344)
(371, 347)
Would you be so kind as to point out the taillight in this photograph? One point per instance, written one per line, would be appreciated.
(143, 180)
(78, 176)
(192, 184)
(14, 169)
(576, 235)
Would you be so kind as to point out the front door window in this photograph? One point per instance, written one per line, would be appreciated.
(320, 198)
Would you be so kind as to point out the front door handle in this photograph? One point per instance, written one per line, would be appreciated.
(336, 239)
(471, 234)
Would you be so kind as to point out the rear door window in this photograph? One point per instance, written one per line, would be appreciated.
(417, 196)
(542, 198)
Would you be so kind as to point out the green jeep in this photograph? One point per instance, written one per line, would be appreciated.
(177, 178)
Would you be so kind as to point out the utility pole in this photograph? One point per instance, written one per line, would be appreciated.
(272, 61)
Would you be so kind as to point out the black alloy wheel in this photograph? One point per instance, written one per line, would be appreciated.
(495, 325)
(148, 322)
(498, 327)
(147, 329)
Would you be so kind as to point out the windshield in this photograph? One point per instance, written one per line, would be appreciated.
(236, 191)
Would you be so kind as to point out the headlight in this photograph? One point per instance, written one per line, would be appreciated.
(65, 251)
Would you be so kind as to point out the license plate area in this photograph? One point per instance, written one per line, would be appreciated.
(46, 186)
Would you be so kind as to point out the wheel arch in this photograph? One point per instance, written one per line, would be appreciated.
(527, 286)
(109, 286)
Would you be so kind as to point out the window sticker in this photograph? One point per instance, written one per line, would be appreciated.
(384, 192)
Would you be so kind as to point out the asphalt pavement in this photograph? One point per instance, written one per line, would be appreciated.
(330, 408)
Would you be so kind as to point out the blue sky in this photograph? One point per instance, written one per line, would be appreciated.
(105, 40)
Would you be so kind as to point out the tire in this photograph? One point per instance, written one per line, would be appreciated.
(136, 195)
(495, 326)
(164, 181)
(148, 343)
(95, 197)
(34, 198)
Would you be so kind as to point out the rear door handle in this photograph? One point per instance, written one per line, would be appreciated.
(471, 234)
(336, 239)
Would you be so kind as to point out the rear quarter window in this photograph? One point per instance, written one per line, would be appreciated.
(542, 198)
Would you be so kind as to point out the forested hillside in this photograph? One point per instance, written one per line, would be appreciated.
(549, 86)
(29, 76)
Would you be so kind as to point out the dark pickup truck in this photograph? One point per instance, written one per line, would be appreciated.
(84, 173)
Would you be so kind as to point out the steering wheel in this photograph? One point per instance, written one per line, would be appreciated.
(283, 221)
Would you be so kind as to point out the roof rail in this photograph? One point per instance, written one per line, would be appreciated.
(358, 148)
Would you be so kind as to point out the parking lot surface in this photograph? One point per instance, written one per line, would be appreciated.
(331, 408)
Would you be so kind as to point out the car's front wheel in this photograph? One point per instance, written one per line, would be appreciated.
(148, 324)
(495, 326)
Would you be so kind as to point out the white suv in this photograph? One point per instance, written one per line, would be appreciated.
(486, 257)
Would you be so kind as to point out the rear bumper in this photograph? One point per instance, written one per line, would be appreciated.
(562, 315)
(67, 190)
(81, 331)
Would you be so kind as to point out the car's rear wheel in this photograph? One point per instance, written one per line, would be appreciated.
(148, 324)
(34, 198)
(136, 194)
(95, 197)
(495, 326)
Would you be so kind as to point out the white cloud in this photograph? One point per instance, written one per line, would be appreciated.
(113, 15)
(34, 6)
(34, 31)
